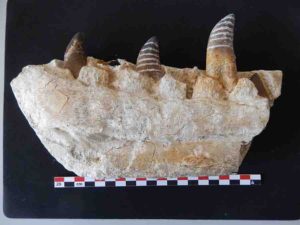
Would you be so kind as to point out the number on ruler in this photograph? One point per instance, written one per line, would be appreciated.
(79, 184)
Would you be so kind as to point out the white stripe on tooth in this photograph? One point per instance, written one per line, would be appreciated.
(150, 70)
(148, 54)
(148, 59)
(153, 43)
(219, 46)
(147, 64)
(225, 34)
(221, 28)
(149, 48)
(221, 39)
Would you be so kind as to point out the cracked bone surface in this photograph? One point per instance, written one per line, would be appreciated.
(116, 121)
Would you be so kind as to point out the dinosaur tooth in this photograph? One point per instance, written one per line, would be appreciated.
(220, 57)
(75, 57)
(148, 61)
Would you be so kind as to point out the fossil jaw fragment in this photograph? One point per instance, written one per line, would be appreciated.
(147, 119)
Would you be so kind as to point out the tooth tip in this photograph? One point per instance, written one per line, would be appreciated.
(231, 15)
(79, 36)
(226, 22)
(221, 35)
(74, 56)
(153, 39)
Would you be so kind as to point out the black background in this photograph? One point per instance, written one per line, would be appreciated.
(267, 36)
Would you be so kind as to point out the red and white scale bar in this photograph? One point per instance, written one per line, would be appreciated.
(235, 179)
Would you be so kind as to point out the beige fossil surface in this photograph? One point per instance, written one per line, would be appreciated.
(146, 119)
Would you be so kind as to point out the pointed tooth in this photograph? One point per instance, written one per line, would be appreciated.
(220, 57)
(148, 62)
(75, 57)
(221, 35)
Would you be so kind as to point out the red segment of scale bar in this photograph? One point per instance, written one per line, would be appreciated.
(59, 179)
(244, 176)
(203, 178)
(79, 179)
(224, 177)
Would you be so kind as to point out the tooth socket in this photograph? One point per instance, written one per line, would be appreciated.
(75, 57)
(148, 62)
(220, 57)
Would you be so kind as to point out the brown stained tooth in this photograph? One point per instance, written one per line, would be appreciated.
(148, 62)
(220, 57)
(75, 57)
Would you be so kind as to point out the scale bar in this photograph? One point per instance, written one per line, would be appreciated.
(222, 180)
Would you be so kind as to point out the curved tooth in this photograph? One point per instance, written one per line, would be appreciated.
(75, 57)
(220, 57)
(148, 62)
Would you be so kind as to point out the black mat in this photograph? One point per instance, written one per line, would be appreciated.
(267, 37)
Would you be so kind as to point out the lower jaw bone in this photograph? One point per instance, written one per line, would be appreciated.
(113, 121)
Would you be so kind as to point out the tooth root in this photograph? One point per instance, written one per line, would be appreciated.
(75, 57)
(148, 62)
(220, 57)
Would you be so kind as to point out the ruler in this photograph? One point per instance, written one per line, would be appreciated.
(222, 180)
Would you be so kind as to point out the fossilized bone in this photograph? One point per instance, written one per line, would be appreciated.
(147, 119)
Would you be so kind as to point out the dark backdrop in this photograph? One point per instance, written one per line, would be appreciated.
(267, 37)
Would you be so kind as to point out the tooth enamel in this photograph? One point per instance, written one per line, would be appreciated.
(75, 57)
(150, 52)
(220, 59)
